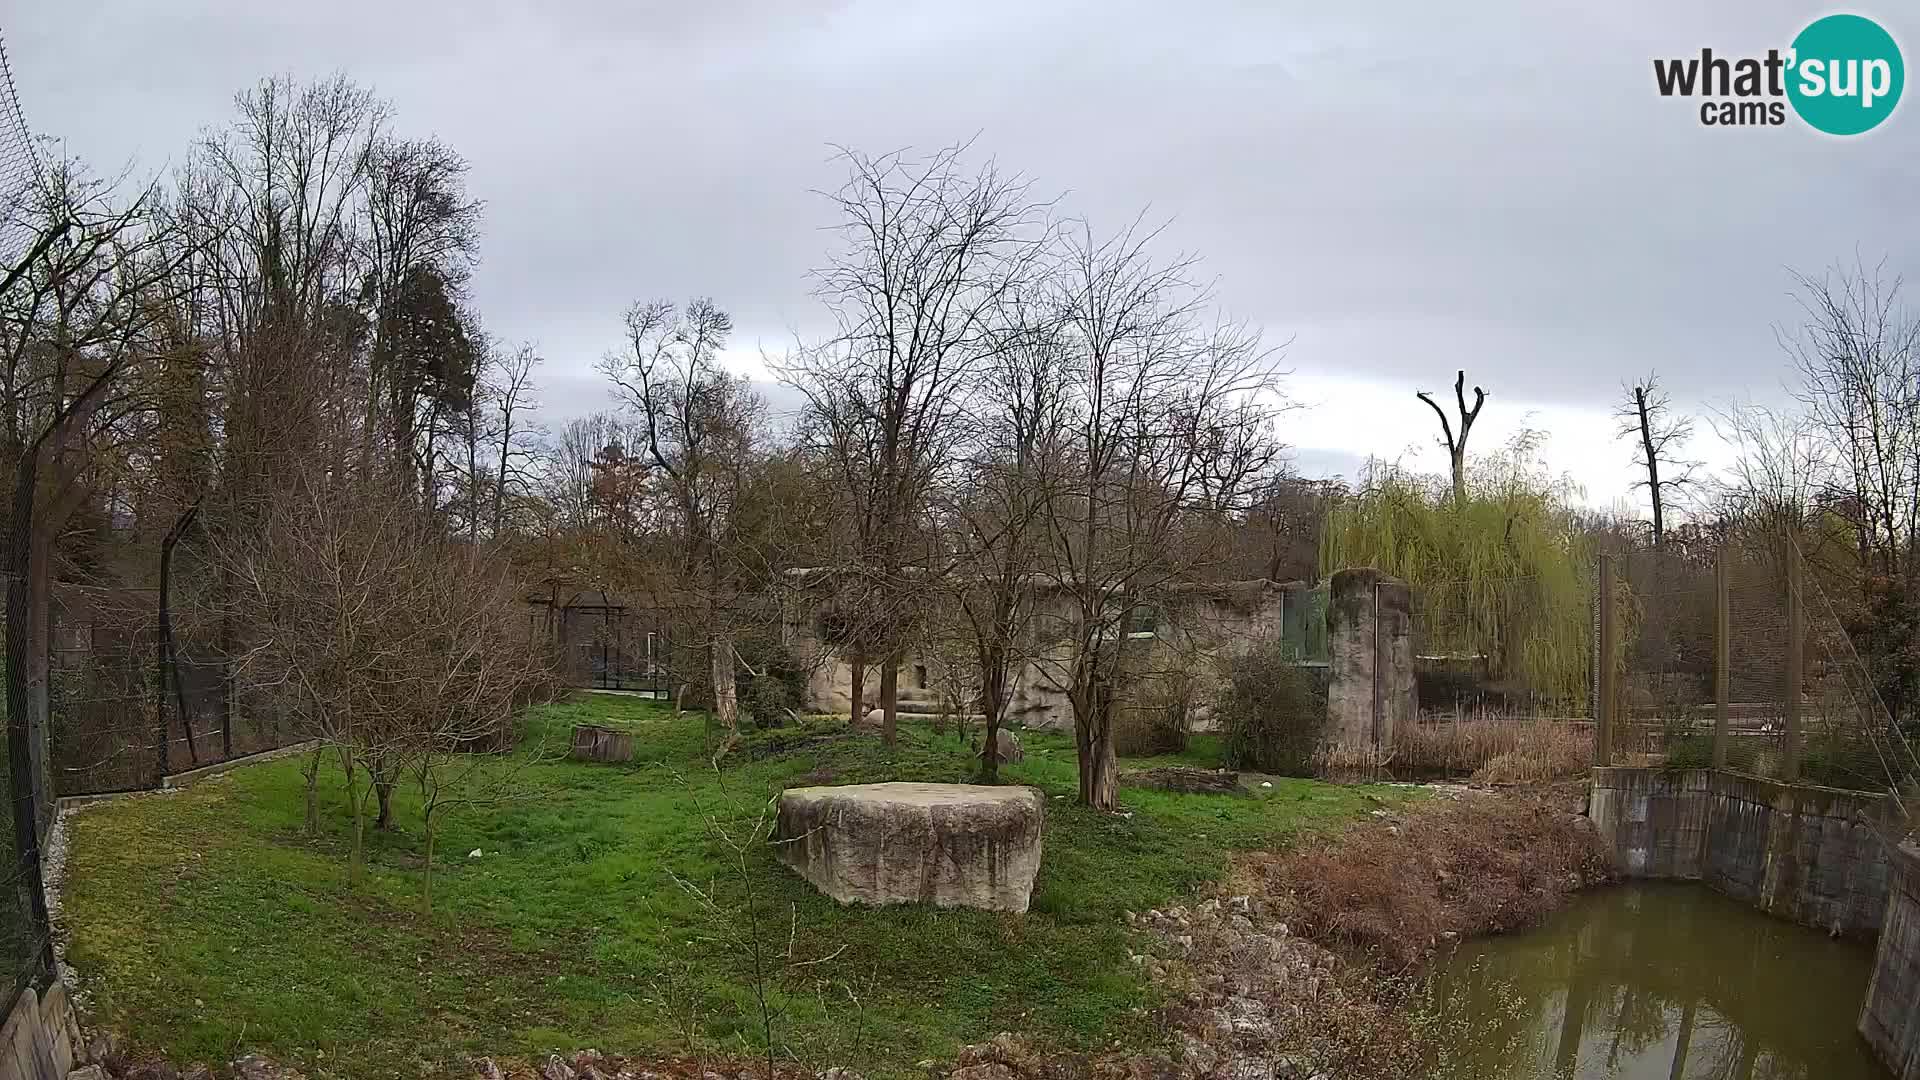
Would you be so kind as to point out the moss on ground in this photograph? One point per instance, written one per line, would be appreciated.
(206, 923)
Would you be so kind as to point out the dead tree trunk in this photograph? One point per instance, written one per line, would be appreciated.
(1653, 464)
(1457, 446)
(857, 675)
(726, 698)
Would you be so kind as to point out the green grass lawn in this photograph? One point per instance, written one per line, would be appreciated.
(206, 923)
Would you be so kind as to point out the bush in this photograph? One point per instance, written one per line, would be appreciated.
(1271, 712)
(1159, 724)
(1492, 748)
(772, 681)
(1688, 752)
(1852, 764)
(1391, 888)
(764, 701)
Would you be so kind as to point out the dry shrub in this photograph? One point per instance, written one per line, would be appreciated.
(1473, 864)
(1160, 723)
(1347, 763)
(1554, 752)
(1495, 748)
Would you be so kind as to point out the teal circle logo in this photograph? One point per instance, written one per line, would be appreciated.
(1846, 74)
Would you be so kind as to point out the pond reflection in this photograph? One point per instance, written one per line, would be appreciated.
(1658, 981)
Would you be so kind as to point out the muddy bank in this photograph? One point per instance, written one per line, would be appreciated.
(1306, 965)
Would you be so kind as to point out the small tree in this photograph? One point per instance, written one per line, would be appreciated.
(377, 634)
(1167, 428)
(996, 504)
(700, 436)
(931, 250)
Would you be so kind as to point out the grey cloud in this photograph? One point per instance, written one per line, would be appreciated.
(1403, 188)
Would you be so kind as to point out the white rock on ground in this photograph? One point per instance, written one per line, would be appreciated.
(952, 845)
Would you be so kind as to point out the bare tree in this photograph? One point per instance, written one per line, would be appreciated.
(931, 249)
(376, 634)
(1167, 427)
(511, 392)
(74, 322)
(495, 438)
(995, 507)
(1858, 358)
(698, 424)
(1280, 535)
(1456, 445)
(1660, 439)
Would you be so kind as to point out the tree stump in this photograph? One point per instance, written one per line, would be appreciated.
(592, 742)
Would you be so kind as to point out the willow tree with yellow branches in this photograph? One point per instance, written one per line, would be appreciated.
(1504, 572)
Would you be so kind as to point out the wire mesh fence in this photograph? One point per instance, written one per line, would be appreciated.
(19, 169)
(1664, 641)
(26, 948)
(1849, 738)
(121, 720)
(1741, 661)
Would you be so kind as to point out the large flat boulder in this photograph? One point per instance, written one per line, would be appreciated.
(953, 845)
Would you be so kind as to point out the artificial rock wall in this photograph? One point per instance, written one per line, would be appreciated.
(1809, 854)
(39, 1037)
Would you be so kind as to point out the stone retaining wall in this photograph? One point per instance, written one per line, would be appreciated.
(1889, 1014)
(1803, 853)
(1810, 854)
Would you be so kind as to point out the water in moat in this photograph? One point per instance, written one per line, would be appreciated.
(1656, 981)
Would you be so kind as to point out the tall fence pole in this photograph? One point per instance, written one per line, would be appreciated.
(1796, 635)
(1609, 647)
(1722, 657)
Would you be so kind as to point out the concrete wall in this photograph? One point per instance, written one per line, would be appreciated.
(1197, 627)
(1370, 691)
(1814, 855)
(1890, 1015)
(40, 1036)
(1809, 854)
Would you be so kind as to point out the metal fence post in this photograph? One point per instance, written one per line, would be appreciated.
(1722, 657)
(1609, 647)
(1796, 635)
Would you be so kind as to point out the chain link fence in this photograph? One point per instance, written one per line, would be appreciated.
(1664, 655)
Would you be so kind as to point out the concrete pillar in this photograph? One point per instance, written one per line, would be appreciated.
(1370, 689)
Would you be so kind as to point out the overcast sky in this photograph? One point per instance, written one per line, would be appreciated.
(1398, 188)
